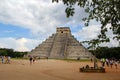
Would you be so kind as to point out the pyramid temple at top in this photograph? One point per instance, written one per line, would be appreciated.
(62, 44)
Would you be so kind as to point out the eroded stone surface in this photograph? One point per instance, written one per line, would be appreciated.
(62, 44)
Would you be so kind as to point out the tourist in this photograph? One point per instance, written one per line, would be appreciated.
(30, 60)
(9, 59)
(6, 59)
(91, 60)
(34, 59)
(107, 62)
(2, 58)
(103, 62)
(116, 63)
(78, 58)
(47, 57)
(111, 63)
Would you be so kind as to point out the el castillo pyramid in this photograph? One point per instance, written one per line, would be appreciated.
(62, 44)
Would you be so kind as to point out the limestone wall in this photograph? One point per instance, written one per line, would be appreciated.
(62, 44)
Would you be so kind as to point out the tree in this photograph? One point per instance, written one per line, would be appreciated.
(106, 52)
(93, 45)
(105, 11)
(11, 53)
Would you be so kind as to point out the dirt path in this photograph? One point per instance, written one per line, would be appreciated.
(53, 70)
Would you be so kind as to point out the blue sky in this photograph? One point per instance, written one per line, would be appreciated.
(24, 24)
(7, 30)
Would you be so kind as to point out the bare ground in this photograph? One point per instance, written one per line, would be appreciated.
(53, 70)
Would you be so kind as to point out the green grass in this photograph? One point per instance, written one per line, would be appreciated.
(75, 60)
(20, 58)
(81, 60)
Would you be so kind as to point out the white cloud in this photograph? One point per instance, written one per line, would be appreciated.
(91, 32)
(21, 44)
(41, 17)
(88, 33)
(113, 43)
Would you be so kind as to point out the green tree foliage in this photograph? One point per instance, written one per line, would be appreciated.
(93, 44)
(11, 53)
(106, 52)
(104, 11)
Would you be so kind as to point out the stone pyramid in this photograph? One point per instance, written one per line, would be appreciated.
(62, 44)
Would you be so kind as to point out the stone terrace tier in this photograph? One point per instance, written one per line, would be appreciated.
(62, 44)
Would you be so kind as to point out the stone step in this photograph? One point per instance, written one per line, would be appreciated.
(62, 44)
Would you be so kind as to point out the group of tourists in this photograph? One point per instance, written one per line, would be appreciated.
(32, 59)
(109, 62)
(5, 59)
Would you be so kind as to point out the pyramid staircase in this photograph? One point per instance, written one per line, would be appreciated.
(62, 44)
